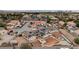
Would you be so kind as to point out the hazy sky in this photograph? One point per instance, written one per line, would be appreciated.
(39, 4)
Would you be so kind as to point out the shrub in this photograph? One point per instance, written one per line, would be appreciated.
(25, 46)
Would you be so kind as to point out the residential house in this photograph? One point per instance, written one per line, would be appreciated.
(3, 31)
(20, 40)
(76, 32)
(71, 26)
(13, 24)
(36, 44)
(61, 24)
(56, 34)
(50, 41)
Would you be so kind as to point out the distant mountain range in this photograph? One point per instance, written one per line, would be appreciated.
(76, 11)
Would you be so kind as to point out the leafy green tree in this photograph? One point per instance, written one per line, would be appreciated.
(77, 23)
(2, 25)
(0, 36)
(76, 40)
(48, 19)
(65, 24)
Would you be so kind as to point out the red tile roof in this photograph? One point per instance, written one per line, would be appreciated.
(50, 41)
(36, 43)
(56, 34)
